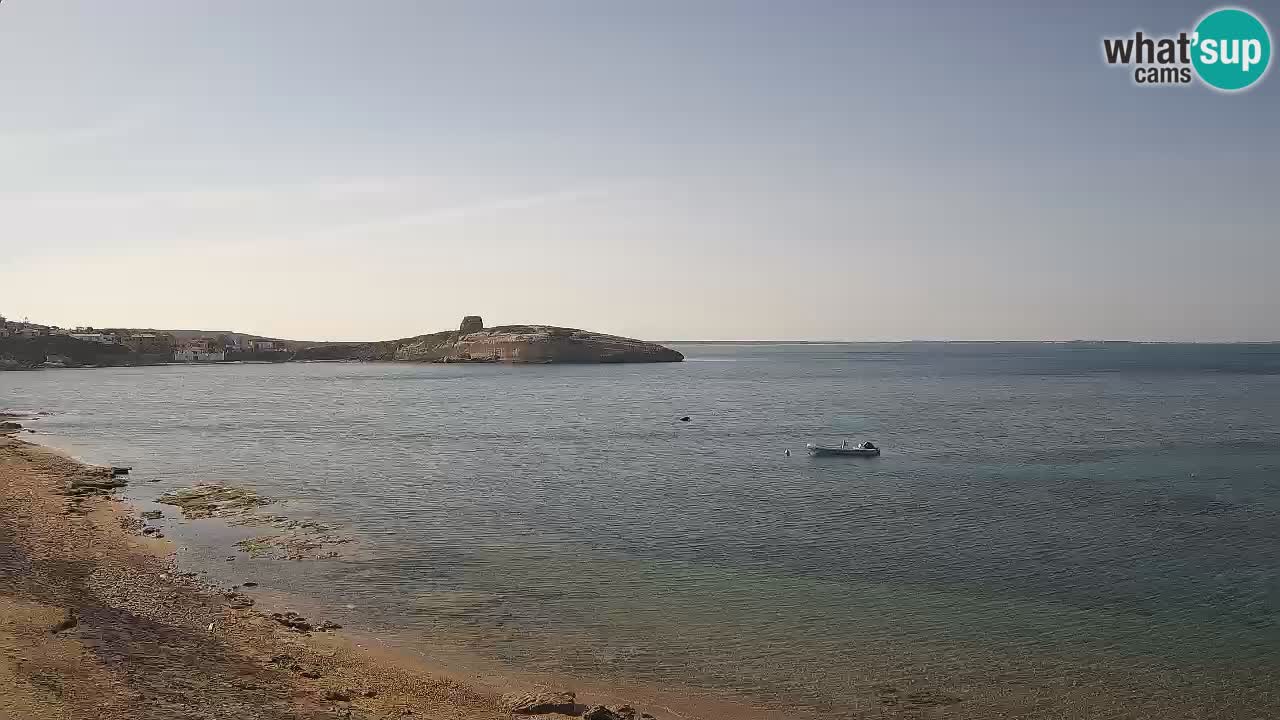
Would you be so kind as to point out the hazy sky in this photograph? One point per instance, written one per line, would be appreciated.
(667, 170)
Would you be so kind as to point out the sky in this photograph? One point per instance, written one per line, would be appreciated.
(669, 170)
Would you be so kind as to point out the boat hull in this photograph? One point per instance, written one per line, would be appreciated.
(823, 450)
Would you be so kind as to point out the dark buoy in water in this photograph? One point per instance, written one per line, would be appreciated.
(788, 452)
(684, 419)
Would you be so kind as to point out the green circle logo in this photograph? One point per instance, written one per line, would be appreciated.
(1231, 49)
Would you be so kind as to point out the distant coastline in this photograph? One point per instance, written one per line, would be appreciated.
(970, 342)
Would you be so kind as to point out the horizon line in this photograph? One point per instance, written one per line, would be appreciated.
(758, 341)
(988, 340)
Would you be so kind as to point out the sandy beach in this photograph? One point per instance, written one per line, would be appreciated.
(96, 622)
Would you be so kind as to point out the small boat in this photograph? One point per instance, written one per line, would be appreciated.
(865, 449)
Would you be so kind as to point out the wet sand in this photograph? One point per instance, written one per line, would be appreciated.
(95, 623)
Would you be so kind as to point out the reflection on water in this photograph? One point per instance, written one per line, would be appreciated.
(1050, 528)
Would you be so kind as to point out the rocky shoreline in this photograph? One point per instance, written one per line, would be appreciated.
(97, 622)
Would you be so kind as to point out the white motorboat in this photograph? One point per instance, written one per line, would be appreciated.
(865, 449)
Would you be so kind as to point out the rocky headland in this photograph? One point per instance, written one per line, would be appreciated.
(473, 342)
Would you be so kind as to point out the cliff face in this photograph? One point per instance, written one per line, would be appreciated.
(530, 344)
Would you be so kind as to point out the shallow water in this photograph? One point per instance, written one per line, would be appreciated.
(1053, 530)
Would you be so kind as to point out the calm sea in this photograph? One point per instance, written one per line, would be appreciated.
(1052, 531)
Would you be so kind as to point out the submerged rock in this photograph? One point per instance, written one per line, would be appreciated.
(292, 539)
(213, 500)
(542, 702)
(302, 542)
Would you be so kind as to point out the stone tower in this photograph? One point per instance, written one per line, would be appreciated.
(470, 324)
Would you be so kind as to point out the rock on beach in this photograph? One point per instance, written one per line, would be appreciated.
(542, 702)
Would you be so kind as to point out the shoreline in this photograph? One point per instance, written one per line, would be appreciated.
(163, 640)
(96, 621)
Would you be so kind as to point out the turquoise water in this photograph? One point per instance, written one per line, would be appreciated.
(1053, 530)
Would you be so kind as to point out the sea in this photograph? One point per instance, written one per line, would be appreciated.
(1069, 530)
